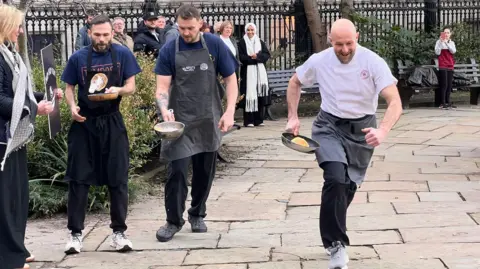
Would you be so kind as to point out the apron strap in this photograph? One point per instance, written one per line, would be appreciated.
(114, 59)
(177, 44)
(89, 58)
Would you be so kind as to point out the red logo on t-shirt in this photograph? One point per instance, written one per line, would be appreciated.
(364, 74)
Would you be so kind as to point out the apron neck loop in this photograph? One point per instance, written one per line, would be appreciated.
(112, 53)
(177, 42)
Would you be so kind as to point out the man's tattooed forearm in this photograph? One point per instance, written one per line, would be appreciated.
(162, 100)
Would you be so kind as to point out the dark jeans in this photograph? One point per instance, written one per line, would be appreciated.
(77, 206)
(445, 81)
(337, 194)
(176, 189)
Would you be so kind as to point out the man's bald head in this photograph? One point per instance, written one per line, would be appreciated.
(343, 37)
(343, 27)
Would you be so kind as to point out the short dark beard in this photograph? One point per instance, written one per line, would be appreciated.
(97, 49)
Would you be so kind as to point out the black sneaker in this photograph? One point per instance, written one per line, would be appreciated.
(167, 231)
(198, 225)
(451, 106)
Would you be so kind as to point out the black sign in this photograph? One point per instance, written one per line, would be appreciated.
(50, 79)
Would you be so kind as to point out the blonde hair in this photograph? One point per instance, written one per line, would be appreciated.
(10, 19)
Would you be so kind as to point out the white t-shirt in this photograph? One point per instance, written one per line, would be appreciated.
(348, 90)
(229, 44)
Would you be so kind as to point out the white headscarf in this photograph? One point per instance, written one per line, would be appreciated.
(257, 82)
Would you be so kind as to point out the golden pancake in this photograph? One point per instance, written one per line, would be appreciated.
(300, 141)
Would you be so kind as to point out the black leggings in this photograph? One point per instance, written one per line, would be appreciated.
(445, 81)
(337, 194)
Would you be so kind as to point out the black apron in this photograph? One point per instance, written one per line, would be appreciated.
(196, 100)
(98, 148)
(342, 140)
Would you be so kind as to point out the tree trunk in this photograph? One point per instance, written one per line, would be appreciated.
(22, 39)
(346, 9)
(316, 26)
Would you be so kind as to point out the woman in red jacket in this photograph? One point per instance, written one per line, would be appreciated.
(445, 49)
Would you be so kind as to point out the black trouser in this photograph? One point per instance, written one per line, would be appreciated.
(77, 206)
(337, 194)
(14, 198)
(176, 190)
(256, 118)
(445, 85)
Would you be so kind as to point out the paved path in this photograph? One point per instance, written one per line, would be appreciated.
(419, 208)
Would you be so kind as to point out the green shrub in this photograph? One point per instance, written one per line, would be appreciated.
(48, 157)
(393, 42)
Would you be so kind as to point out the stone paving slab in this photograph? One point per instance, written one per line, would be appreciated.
(314, 198)
(296, 253)
(428, 250)
(471, 196)
(419, 207)
(357, 238)
(112, 260)
(439, 196)
(382, 264)
(454, 186)
(463, 263)
(232, 255)
(436, 207)
(459, 234)
(427, 177)
(46, 239)
(370, 209)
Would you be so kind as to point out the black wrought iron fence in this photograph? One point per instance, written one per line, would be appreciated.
(282, 25)
(274, 21)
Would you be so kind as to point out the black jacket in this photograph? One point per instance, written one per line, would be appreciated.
(146, 42)
(6, 98)
(262, 57)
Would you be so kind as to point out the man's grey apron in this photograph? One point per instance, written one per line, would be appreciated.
(342, 140)
(196, 100)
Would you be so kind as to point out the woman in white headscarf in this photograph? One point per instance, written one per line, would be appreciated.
(253, 54)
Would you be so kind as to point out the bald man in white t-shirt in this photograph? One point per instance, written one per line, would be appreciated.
(350, 79)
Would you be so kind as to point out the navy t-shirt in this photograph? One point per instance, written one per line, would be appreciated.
(75, 72)
(224, 60)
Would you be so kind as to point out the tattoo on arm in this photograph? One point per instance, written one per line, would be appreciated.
(162, 100)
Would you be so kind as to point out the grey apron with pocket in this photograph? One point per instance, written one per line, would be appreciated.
(196, 100)
(342, 140)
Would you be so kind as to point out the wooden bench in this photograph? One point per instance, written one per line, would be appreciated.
(470, 70)
(278, 83)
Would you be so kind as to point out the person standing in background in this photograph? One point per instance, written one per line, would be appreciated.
(253, 54)
(120, 36)
(83, 40)
(445, 49)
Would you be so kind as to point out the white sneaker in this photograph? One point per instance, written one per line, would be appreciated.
(75, 244)
(338, 256)
(120, 242)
